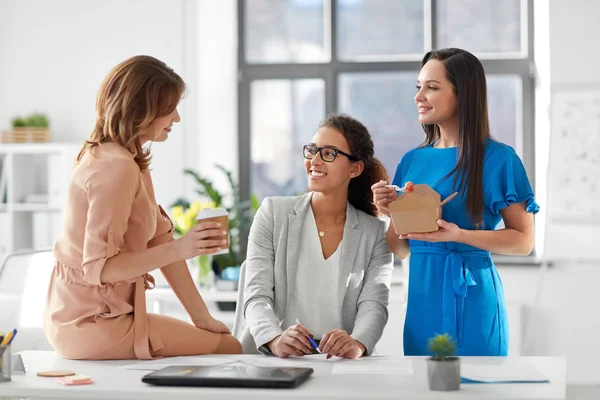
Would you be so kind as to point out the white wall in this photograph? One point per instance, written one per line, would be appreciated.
(217, 82)
(574, 31)
(563, 317)
(54, 55)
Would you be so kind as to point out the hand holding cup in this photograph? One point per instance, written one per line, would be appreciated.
(201, 239)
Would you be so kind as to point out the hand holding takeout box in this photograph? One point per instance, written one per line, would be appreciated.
(417, 210)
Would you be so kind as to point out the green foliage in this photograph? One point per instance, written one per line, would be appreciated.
(35, 120)
(206, 188)
(442, 347)
(38, 121)
(240, 212)
(19, 123)
(181, 202)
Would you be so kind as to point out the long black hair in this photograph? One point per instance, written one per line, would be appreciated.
(465, 72)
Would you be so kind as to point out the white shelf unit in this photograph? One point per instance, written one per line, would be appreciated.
(34, 179)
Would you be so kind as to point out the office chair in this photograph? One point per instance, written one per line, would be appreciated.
(24, 278)
(239, 323)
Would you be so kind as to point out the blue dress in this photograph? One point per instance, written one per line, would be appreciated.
(455, 288)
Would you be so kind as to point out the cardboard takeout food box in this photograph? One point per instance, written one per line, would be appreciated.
(417, 211)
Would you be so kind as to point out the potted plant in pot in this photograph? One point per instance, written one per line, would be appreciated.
(39, 127)
(184, 218)
(34, 128)
(19, 132)
(240, 213)
(443, 368)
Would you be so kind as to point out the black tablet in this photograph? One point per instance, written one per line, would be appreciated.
(247, 376)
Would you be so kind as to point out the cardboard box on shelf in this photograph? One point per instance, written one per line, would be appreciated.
(417, 211)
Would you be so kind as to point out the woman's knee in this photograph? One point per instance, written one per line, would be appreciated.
(228, 345)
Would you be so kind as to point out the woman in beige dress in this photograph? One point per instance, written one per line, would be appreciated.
(115, 233)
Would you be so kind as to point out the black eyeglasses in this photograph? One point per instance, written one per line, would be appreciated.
(328, 154)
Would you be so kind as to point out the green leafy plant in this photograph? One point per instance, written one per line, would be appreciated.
(38, 121)
(442, 347)
(19, 122)
(241, 213)
(184, 218)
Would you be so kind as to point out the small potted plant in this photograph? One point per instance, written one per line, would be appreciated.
(443, 368)
(226, 267)
(183, 220)
(39, 127)
(240, 212)
(19, 132)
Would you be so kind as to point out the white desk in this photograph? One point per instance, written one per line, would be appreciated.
(112, 382)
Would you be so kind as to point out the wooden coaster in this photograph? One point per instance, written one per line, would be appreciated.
(55, 374)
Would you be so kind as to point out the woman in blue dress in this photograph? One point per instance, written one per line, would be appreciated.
(454, 286)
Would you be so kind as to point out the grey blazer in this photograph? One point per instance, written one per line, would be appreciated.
(272, 262)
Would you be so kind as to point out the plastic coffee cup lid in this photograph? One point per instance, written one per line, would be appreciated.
(211, 213)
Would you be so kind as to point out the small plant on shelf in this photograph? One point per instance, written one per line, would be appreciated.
(20, 132)
(38, 121)
(19, 123)
(34, 128)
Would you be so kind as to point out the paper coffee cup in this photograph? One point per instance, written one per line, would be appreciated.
(221, 216)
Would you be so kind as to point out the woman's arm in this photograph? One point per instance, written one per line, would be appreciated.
(372, 314)
(517, 238)
(259, 295)
(179, 278)
(127, 265)
(397, 245)
(111, 188)
(382, 197)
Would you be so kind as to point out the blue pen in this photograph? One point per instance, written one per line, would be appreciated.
(311, 340)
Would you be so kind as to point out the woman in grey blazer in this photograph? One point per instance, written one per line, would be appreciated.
(321, 258)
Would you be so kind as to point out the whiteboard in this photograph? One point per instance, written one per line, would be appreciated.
(573, 213)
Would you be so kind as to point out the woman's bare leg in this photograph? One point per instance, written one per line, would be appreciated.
(183, 339)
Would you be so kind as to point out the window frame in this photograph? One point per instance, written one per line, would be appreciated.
(329, 72)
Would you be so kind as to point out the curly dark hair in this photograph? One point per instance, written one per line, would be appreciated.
(361, 146)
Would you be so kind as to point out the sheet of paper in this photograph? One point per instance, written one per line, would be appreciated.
(365, 365)
(509, 372)
(155, 365)
(308, 360)
(374, 366)
(315, 358)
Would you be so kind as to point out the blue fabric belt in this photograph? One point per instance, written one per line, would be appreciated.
(457, 279)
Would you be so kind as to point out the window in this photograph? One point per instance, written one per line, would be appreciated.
(300, 60)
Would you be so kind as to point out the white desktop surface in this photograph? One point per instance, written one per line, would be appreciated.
(112, 382)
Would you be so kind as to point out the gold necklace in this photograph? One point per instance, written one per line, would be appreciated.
(324, 234)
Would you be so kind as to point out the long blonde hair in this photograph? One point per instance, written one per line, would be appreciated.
(131, 97)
